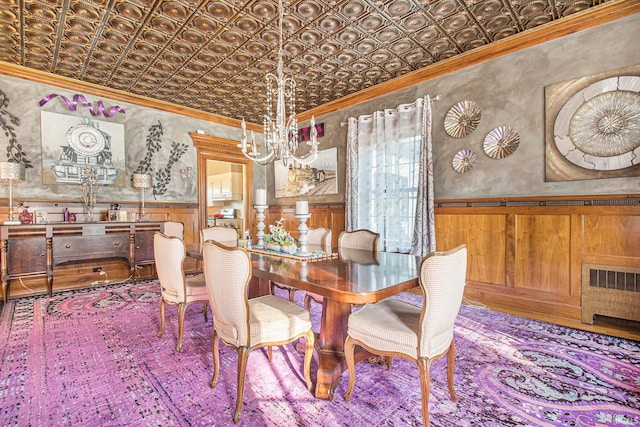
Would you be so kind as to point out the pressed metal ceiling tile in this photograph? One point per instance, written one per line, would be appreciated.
(214, 55)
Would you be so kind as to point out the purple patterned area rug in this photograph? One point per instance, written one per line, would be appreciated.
(92, 358)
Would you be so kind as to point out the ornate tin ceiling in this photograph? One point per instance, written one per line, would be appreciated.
(214, 55)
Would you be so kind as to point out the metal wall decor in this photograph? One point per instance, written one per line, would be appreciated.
(602, 132)
(79, 98)
(462, 119)
(161, 176)
(464, 161)
(593, 126)
(15, 150)
(501, 142)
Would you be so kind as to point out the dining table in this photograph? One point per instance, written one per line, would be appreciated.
(349, 278)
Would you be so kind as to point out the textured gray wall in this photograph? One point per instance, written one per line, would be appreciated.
(510, 91)
(24, 96)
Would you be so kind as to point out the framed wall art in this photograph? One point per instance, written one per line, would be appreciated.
(70, 144)
(319, 178)
(593, 127)
(40, 216)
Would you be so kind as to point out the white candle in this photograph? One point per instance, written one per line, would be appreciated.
(261, 197)
(302, 207)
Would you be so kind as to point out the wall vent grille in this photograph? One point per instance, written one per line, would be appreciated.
(615, 277)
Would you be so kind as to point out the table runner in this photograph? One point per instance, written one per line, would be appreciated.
(313, 256)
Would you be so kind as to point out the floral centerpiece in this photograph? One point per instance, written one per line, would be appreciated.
(279, 239)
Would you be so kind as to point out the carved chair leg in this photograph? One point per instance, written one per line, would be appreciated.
(425, 387)
(181, 309)
(451, 360)
(204, 311)
(161, 331)
(243, 355)
(270, 354)
(215, 344)
(349, 349)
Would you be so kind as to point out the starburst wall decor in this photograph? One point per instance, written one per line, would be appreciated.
(593, 127)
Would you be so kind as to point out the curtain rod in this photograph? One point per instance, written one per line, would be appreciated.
(438, 97)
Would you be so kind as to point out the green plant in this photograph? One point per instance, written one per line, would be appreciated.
(278, 234)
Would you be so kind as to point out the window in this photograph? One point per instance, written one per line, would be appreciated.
(390, 177)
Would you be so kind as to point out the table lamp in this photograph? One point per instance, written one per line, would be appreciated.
(142, 182)
(11, 173)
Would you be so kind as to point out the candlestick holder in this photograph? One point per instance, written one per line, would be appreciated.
(260, 217)
(303, 234)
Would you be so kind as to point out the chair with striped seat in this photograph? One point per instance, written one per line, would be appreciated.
(177, 289)
(421, 334)
(246, 324)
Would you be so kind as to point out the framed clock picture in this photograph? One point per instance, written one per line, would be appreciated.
(70, 144)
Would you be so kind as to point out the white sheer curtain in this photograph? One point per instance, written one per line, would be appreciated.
(390, 177)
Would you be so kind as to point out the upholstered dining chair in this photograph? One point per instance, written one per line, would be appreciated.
(173, 228)
(317, 239)
(361, 240)
(225, 235)
(177, 289)
(246, 324)
(421, 334)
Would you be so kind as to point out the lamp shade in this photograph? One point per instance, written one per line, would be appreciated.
(141, 181)
(11, 172)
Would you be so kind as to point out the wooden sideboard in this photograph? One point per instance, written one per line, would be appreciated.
(29, 250)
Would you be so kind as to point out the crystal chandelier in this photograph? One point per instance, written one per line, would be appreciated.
(281, 138)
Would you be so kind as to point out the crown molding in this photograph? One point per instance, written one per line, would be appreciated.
(591, 17)
(588, 18)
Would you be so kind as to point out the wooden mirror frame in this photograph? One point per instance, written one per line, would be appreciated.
(225, 150)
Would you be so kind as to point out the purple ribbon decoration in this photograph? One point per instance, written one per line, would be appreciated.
(78, 97)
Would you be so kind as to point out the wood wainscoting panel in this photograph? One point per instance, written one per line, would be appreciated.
(485, 237)
(527, 253)
(607, 239)
(543, 253)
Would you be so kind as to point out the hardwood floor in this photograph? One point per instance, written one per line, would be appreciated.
(603, 325)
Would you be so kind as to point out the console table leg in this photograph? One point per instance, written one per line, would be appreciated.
(49, 265)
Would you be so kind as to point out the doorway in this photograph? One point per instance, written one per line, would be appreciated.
(225, 194)
(219, 157)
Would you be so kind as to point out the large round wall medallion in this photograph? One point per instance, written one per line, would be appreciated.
(501, 142)
(464, 161)
(462, 119)
(598, 128)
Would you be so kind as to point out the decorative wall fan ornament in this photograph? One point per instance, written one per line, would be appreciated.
(592, 126)
(598, 128)
(501, 142)
(462, 119)
(464, 161)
